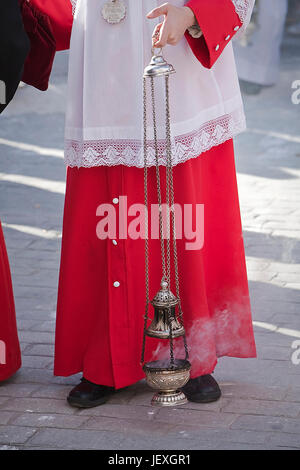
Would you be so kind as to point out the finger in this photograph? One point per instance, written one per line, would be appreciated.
(156, 34)
(157, 29)
(163, 37)
(159, 11)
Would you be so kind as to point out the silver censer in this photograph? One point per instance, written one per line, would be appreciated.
(168, 376)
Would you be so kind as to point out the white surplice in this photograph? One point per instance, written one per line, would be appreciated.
(104, 121)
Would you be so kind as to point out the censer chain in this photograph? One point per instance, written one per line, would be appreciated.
(166, 257)
(146, 218)
(161, 230)
(170, 187)
(170, 210)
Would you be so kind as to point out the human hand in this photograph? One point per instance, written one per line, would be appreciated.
(176, 21)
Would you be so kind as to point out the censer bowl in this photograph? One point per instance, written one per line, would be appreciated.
(168, 379)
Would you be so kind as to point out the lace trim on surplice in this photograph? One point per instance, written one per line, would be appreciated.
(242, 7)
(73, 3)
(131, 153)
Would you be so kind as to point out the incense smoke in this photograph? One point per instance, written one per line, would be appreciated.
(227, 333)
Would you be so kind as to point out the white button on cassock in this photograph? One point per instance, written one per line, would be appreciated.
(236, 28)
(116, 284)
(227, 37)
(115, 242)
(217, 47)
(115, 200)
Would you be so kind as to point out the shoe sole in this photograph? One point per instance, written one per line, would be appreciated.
(79, 404)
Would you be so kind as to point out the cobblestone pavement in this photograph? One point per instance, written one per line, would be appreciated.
(260, 406)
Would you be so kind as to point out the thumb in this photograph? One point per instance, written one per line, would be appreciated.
(159, 11)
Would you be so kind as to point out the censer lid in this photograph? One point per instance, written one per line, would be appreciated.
(164, 297)
(158, 66)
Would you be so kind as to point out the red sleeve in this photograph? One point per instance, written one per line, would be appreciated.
(60, 15)
(219, 22)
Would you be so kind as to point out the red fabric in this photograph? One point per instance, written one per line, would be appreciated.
(9, 343)
(39, 62)
(217, 20)
(61, 18)
(99, 326)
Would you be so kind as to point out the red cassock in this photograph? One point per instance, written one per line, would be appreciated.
(101, 300)
(60, 16)
(10, 355)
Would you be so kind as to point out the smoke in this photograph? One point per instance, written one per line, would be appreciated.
(200, 345)
(227, 333)
(234, 330)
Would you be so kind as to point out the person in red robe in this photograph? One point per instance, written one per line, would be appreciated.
(10, 355)
(14, 47)
(59, 13)
(101, 296)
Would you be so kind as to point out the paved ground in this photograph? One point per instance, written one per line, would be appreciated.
(260, 407)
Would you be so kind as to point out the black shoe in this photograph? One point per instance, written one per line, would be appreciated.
(87, 394)
(202, 389)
